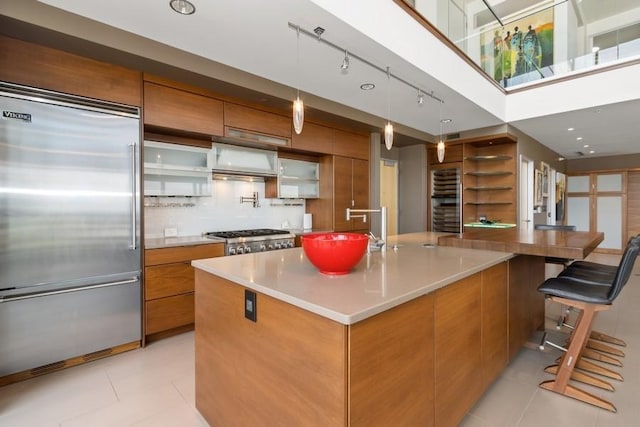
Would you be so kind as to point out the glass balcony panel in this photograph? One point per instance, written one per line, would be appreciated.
(518, 45)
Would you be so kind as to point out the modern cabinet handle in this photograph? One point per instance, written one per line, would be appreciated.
(67, 290)
(134, 208)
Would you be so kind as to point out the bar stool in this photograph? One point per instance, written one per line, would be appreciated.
(598, 274)
(590, 299)
(564, 311)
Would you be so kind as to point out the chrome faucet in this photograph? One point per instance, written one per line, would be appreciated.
(377, 244)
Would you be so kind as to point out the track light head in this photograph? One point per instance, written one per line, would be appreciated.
(345, 62)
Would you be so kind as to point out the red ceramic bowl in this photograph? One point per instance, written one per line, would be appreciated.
(334, 253)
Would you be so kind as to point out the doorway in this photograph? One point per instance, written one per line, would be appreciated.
(526, 193)
(389, 193)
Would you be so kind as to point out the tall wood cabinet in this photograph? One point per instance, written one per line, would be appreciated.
(351, 190)
(597, 202)
(344, 182)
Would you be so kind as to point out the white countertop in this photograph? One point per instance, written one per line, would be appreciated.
(168, 242)
(380, 281)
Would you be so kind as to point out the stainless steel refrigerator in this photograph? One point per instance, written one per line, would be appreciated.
(69, 228)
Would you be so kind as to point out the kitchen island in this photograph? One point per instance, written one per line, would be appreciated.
(412, 336)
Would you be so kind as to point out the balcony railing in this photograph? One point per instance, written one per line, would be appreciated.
(546, 40)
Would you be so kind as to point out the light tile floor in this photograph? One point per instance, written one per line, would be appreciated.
(154, 386)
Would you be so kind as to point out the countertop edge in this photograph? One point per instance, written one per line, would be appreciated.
(347, 319)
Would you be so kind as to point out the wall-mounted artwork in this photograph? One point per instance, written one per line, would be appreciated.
(520, 47)
(546, 178)
(537, 188)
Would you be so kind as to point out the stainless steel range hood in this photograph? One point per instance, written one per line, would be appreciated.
(242, 163)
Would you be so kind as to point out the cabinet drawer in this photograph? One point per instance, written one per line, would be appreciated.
(168, 313)
(182, 253)
(166, 280)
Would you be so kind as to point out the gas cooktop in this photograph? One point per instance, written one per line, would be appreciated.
(259, 232)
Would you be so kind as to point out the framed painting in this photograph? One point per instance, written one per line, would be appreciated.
(537, 188)
(546, 178)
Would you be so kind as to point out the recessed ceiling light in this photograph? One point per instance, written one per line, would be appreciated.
(579, 138)
(367, 86)
(446, 121)
(571, 129)
(592, 151)
(586, 145)
(183, 7)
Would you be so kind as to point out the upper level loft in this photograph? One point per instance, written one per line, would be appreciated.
(519, 42)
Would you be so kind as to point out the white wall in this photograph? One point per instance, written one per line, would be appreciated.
(222, 211)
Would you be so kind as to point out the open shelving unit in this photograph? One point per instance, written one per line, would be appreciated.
(490, 179)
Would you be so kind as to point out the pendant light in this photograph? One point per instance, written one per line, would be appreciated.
(440, 146)
(388, 129)
(298, 106)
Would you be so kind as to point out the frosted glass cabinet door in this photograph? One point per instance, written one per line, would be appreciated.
(578, 184)
(578, 212)
(609, 182)
(609, 219)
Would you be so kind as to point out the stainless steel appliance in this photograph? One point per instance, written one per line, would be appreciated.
(69, 228)
(257, 240)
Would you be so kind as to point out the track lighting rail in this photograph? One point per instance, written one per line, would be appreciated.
(385, 70)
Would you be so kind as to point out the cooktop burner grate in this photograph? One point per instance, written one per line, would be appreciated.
(247, 233)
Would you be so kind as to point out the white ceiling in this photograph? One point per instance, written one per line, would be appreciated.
(253, 36)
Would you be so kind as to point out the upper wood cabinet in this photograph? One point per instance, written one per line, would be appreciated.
(452, 154)
(314, 138)
(177, 109)
(350, 144)
(42, 67)
(251, 119)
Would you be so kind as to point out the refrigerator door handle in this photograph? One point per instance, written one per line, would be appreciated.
(67, 290)
(134, 208)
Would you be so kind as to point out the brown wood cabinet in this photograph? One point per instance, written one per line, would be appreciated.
(169, 286)
(424, 362)
(42, 67)
(351, 190)
(314, 138)
(452, 153)
(349, 144)
(176, 109)
(256, 121)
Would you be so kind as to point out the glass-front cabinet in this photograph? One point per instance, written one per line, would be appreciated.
(176, 170)
(298, 179)
(596, 202)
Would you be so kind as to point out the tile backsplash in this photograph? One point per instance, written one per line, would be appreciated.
(223, 211)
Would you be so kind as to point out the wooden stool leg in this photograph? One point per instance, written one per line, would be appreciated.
(597, 369)
(600, 357)
(583, 378)
(568, 362)
(607, 338)
(599, 346)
